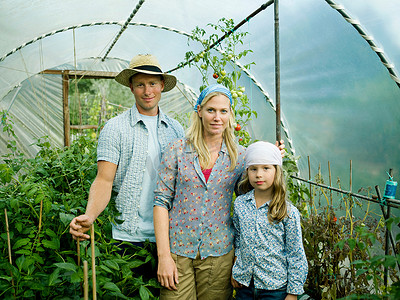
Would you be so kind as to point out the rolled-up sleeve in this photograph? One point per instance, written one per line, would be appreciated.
(167, 175)
(296, 258)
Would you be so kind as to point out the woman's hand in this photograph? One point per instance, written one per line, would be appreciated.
(167, 273)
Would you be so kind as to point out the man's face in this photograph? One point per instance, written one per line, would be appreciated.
(147, 91)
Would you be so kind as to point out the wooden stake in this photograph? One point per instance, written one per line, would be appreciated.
(93, 263)
(330, 182)
(309, 176)
(40, 218)
(9, 247)
(85, 281)
(78, 252)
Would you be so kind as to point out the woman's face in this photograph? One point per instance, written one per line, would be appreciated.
(215, 115)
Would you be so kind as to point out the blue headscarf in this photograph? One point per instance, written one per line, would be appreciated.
(210, 89)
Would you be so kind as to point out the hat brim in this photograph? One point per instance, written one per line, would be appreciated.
(124, 76)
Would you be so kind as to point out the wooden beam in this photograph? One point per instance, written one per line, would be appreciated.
(84, 74)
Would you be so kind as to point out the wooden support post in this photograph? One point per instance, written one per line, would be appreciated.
(65, 82)
(277, 73)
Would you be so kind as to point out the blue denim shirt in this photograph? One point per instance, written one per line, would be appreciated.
(199, 211)
(124, 141)
(273, 254)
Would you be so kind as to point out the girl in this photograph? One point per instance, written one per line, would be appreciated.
(270, 262)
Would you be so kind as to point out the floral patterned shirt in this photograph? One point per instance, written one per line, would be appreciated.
(273, 254)
(199, 211)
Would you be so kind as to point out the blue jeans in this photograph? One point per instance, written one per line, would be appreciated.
(251, 293)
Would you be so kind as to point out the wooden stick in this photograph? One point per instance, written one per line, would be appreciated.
(78, 252)
(330, 182)
(9, 247)
(85, 281)
(309, 175)
(93, 263)
(40, 220)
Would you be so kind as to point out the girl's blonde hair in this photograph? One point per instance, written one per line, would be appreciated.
(195, 136)
(277, 207)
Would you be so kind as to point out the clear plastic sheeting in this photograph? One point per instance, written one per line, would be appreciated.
(338, 100)
(36, 111)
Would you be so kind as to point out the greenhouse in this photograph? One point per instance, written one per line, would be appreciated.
(321, 75)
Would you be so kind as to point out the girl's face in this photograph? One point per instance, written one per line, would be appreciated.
(215, 115)
(261, 177)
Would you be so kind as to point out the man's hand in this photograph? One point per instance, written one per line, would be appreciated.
(167, 273)
(78, 226)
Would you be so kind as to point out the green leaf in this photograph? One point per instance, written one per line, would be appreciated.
(51, 233)
(105, 268)
(361, 271)
(51, 244)
(53, 278)
(351, 243)
(66, 266)
(144, 293)
(32, 192)
(66, 218)
(340, 244)
(111, 264)
(75, 277)
(20, 243)
(389, 261)
(111, 287)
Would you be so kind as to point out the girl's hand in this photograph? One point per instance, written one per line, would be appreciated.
(236, 284)
(291, 297)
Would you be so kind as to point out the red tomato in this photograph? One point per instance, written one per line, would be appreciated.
(238, 127)
(215, 75)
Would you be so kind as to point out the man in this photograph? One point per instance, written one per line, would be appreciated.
(129, 153)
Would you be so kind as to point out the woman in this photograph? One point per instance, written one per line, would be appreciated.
(193, 228)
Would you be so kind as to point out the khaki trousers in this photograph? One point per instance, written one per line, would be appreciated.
(207, 279)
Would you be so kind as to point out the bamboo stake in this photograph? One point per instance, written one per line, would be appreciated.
(309, 175)
(93, 263)
(78, 252)
(9, 247)
(330, 182)
(40, 217)
(351, 199)
(85, 281)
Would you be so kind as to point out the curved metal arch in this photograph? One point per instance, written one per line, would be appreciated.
(257, 83)
(369, 39)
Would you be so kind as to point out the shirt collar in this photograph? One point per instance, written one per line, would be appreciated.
(136, 117)
(249, 196)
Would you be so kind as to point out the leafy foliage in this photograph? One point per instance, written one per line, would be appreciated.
(41, 196)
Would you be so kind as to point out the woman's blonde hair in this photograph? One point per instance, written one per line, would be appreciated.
(195, 135)
(277, 210)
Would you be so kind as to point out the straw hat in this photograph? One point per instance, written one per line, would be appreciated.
(146, 64)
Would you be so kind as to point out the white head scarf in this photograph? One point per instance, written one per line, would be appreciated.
(263, 153)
